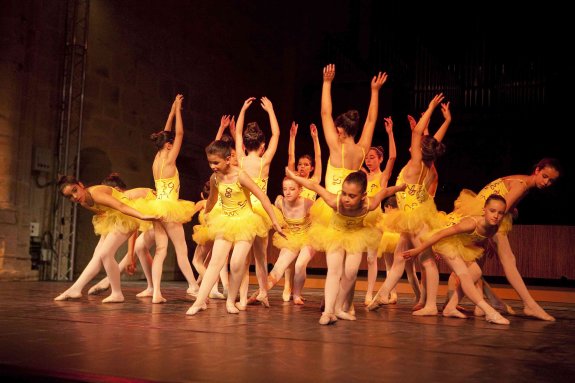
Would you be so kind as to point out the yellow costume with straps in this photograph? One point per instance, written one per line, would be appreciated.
(296, 231)
(469, 203)
(467, 246)
(107, 219)
(416, 208)
(344, 232)
(167, 205)
(237, 221)
(321, 213)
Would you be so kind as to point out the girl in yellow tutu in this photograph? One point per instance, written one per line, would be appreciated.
(376, 180)
(295, 244)
(237, 225)
(345, 155)
(114, 221)
(204, 243)
(173, 211)
(345, 238)
(307, 167)
(257, 165)
(459, 245)
(138, 245)
(513, 188)
(417, 213)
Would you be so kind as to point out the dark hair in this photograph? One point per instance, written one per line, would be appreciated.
(114, 180)
(310, 158)
(229, 139)
(359, 177)
(378, 150)
(349, 122)
(206, 189)
(549, 163)
(431, 149)
(162, 137)
(390, 201)
(253, 137)
(64, 181)
(219, 148)
(495, 197)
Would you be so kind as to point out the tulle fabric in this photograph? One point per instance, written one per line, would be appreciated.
(329, 238)
(469, 204)
(177, 211)
(414, 220)
(115, 221)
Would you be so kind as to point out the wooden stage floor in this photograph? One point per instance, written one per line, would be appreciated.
(137, 341)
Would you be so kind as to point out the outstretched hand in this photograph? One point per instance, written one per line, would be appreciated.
(293, 129)
(388, 125)
(412, 122)
(329, 73)
(313, 130)
(267, 104)
(409, 254)
(225, 121)
(445, 110)
(290, 174)
(279, 230)
(378, 81)
(436, 100)
(178, 102)
(247, 103)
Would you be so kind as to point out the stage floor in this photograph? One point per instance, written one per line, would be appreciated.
(137, 341)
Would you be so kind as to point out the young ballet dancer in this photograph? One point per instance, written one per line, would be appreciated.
(513, 188)
(138, 245)
(459, 245)
(307, 167)
(294, 246)
(114, 221)
(345, 238)
(256, 163)
(237, 225)
(173, 211)
(376, 180)
(417, 213)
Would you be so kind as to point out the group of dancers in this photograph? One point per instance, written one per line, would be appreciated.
(342, 219)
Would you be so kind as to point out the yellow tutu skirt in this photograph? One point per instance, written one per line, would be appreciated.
(258, 208)
(243, 227)
(293, 242)
(114, 221)
(328, 238)
(178, 211)
(469, 204)
(388, 243)
(460, 245)
(412, 221)
(320, 212)
(201, 234)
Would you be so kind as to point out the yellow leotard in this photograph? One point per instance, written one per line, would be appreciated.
(344, 233)
(107, 219)
(320, 211)
(237, 221)
(296, 232)
(469, 203)
(167, 205)
(469, 246)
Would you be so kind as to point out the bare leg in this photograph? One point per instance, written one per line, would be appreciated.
(507, 258)
(304, 257)
(371, 274)
(335, 267)
(177, 236)
(220, 252)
